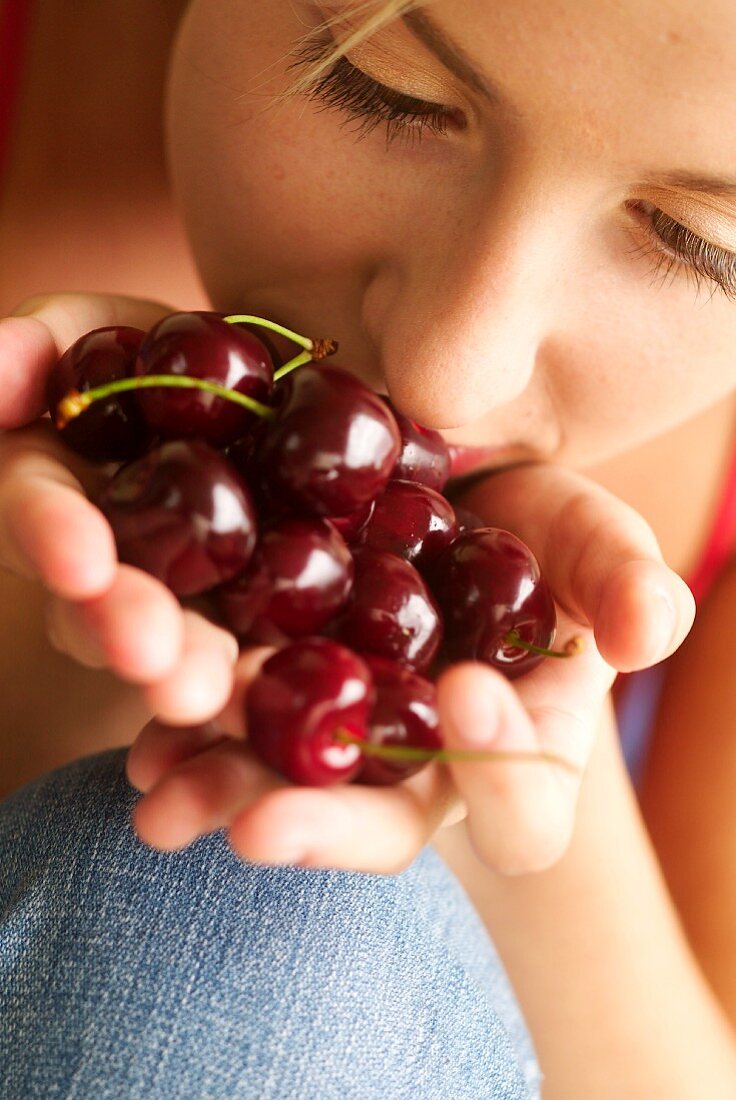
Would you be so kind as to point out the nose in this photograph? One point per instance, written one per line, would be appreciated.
(458, 317)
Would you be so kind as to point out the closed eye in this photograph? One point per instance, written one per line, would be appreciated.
(677, 247)
(347, 88)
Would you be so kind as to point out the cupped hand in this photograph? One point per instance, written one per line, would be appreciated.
(205, 778)
(100, 612)
(613, 591)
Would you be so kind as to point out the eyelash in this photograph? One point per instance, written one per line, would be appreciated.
(674, 248)
(346, 88)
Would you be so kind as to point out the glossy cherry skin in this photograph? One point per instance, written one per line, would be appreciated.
(424, 456)
(113, 429)
(183, 514)
(333, 444)
(352, 527)
(302, 696)
(467, 521)
(412, 521)
(298, 578)
(245, 455)
(266, 338)
(488, 583)
(202, 345)
(404, 713)
(390, 611)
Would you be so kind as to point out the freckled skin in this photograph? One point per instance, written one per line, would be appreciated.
(518, 306)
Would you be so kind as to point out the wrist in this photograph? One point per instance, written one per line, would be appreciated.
(609, 987)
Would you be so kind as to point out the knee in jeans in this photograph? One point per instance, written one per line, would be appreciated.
(165, 971)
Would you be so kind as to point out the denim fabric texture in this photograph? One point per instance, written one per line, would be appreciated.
(130, 973)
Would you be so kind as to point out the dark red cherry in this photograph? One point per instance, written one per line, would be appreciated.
(424, 456)
(488, 583)
(183, 514)
(467, 521)
(333, 444)
(110, 430)
(297, 579)
(404, 713)
(352, 527)
(303, 696)
(258, 429)
(244, 456)
(390, 611)
(202, 345)
(412, 521)
(265, 336)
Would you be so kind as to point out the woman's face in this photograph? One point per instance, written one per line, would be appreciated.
(534, 269)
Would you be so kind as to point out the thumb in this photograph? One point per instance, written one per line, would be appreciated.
(599, 556)
(520, 808)
(41, 329)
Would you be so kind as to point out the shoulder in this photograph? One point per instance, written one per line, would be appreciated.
(692, 746)
(699, 691)
(686, 792)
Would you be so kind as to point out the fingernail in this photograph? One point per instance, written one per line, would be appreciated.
(666, 629)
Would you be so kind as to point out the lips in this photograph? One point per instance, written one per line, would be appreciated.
(465, 460)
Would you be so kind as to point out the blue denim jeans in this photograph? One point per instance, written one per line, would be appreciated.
(131, 973)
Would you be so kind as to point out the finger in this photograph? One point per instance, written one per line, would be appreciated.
(645, 613)
(599, 556)
(232, 717)
(202, 681)
(39, 332)
(378, 830)
(159, 749)
(136, 628)
(49, 531)
(521, 809)
(201, 795)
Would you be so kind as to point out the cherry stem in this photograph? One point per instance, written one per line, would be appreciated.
(409, 752)
(572, 647)
(287, 368)
(75, 402)
(319, 347)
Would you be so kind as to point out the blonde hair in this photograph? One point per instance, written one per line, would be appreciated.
(378, 13)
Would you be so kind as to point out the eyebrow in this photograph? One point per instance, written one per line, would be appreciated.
(450, 54)
(691, 181)
(454, 58)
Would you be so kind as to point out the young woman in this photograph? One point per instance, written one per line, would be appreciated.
(541, 263)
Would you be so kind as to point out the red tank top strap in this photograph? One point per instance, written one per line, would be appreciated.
(636, 695)
(15, 21)
(721, 540)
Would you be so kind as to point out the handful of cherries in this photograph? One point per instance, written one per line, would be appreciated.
(309, 514)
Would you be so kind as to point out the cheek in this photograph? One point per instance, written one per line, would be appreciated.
(656, 362)
(265, 191)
